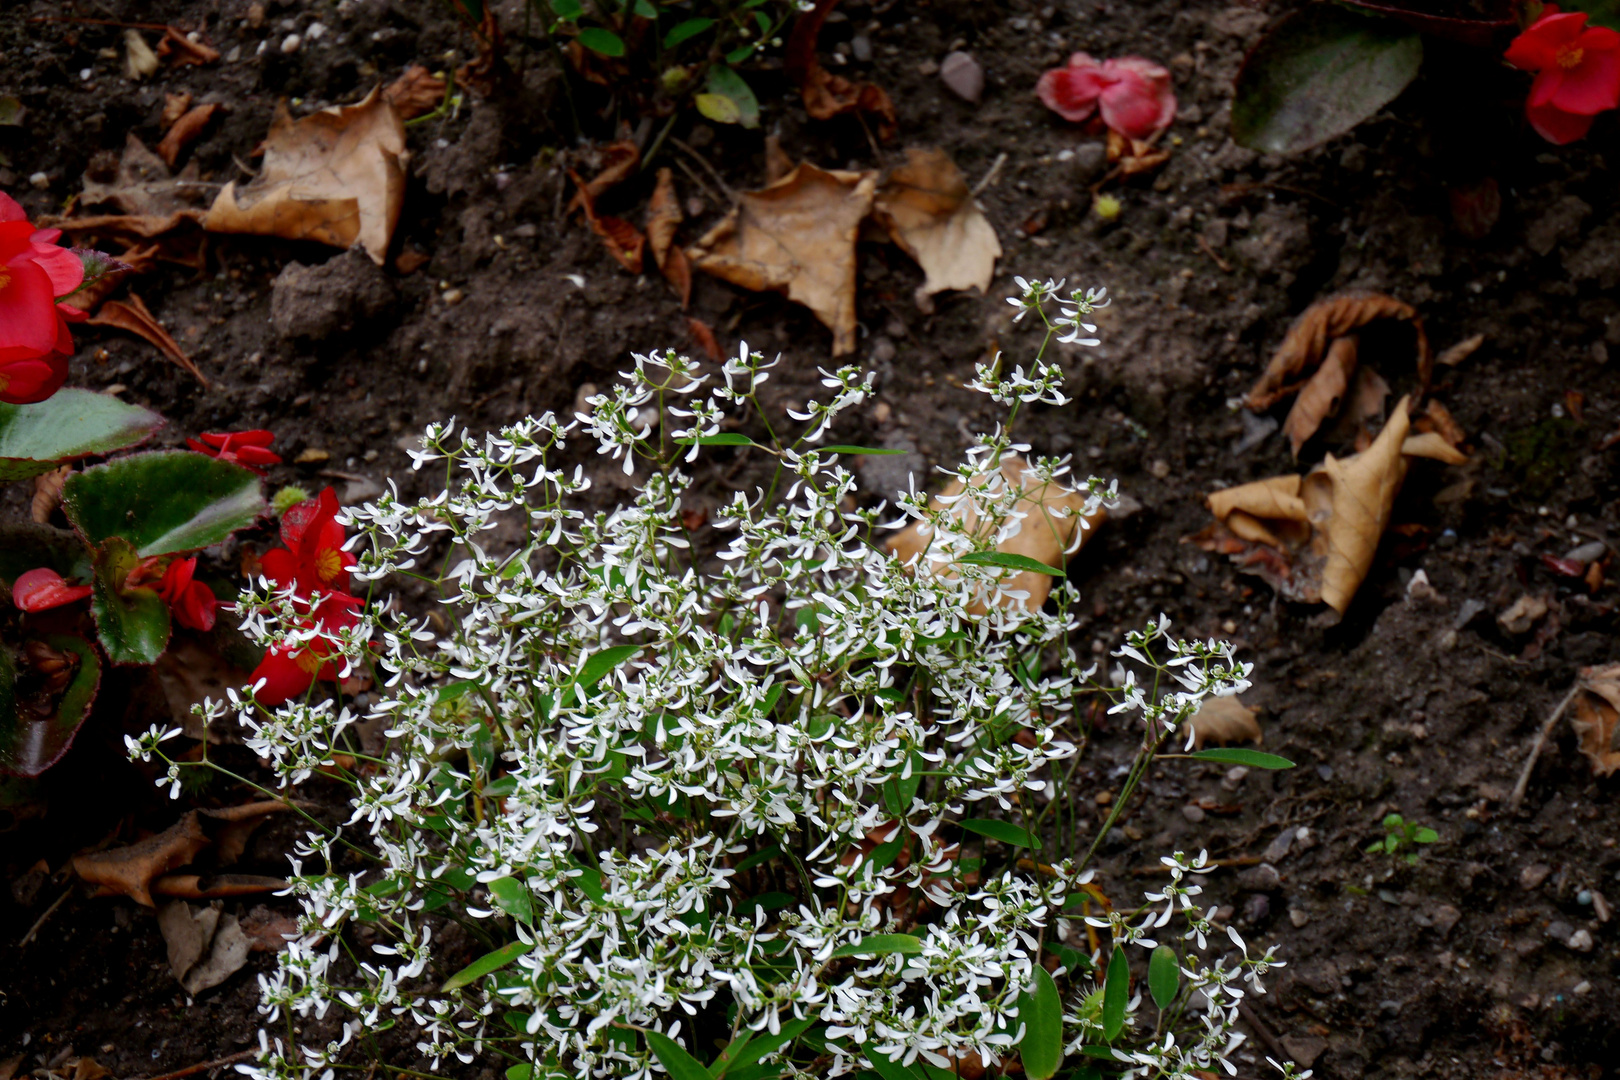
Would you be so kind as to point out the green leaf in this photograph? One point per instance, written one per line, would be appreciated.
(728, 1056)
(725, 83)
(451, 691)
(770, 1044)
(726, 438)
(132, 624)
(691, 28)
(1322, 71)
(1164, 976)
(1007, 560)
(521, 1071)
(1116, 993)
(881, 945)
(738, 55)
(885, 1067)
(645, 9)
(717, 107)
(25, 546)
(1425, 835)
(595, 669)
(1069, 958)
(604, 42)
(677, 1062)
(763, 855)
(1006, 832)
(512, 897)
(1391, 842)
(29, 744)
(1602, 12)
(568, 10)
(164, 502)
(589, 882)
(771, 901)
(1041, 1010)
(68, 425)
(1238, 756)
(842, 449)
(484, 965)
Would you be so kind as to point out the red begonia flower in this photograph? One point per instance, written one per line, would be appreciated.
(250, 449)
(191, 601)
(314, 559)
(34, 338)
(1132, 93)
(43, 589)
(1578, 73)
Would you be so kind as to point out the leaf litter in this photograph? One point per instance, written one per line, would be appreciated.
(930, 214)
(1597, 717)
(138, 870)
(1224, 720)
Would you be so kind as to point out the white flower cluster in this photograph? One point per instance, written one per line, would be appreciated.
(719, 796)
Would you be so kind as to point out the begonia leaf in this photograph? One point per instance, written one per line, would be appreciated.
(69, 425)
(26, 546)
(1319, 73)
(1481, 25)
(28, 744)
(131, 623)
(164, 502)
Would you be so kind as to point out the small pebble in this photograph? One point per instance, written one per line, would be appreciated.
(1299, 917)
(1256, 908)
(1325, 771)
(1581, 988)
(1192, 813)
(1580, 941)
(40, 180)
(1160, 469)
(85, 73)
(291, 44)
(255, 15)
(1104, 798)
(1559, 930)
(1234, 778)
(1279, 847)
(1586, 553)
(861, 46)
(1533, 875)
(1584, 898)
(315, 31)
(963, 75)
(453, 296)
(1466, 613)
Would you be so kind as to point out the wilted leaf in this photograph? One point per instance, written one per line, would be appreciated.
(663, 218)
(174, 107)
(139, 59)
(827, 95)
(180, 51)
(336, 176)
(48, 493)
(704, 336)
(623, 241)
(931, 215)
(1478, 23)
(132, 315)
(185, 131)
(1597, 717)
(131, 870)
(1320, 397)
(797, 236)
(1224, 720)
(1307, 341)
(205, 946)
(416, 92)
(1047, 534)
(1319, 73)
(619, 161)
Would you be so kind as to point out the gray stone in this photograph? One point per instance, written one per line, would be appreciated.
(1278, 850)
(1256, 908)
(1194, 814)
(861, 46)
(1559, 930)
(1533, 875)
(316, 302)
(1090, 161)
(1588, 552)
(963, 75)
(1304, 1049)
(1580, 941)
(1559, 222)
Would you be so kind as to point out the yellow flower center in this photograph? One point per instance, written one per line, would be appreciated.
(1570, 56)
(328, 564)
(5, 279)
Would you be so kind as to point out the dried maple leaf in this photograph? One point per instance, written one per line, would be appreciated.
(151, 201)
(1046, 534)
(663, 218)
(205, 946)
(1306, 343)
(1597, 717)
(416, 92)
(797, 236)
(336, 176)
(132, 869)
(624, 242)
(132, 315)
(1224, 720)
(185, 131)
(827, 95)
(930, 213)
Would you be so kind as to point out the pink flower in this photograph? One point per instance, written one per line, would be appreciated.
(1578, 73)
(43, 589)
(1133, 94)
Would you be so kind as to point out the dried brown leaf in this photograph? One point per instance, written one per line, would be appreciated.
(1306, 343)
(1047, 534)
(931, 215)
(205, 946)
(619, 161)
(777, 162)
(1460, 351)
(1437, 418)
(1224, 720)
(1432, 444)
(48, 494)
(1597, 717)
(142, 186)
(663, 217)
(214, 886)
(797, 236)
(704, 336)
(185, 131)
(1321, 397)
(622, 239)
(416, 92)
(181, 51)
(175, 106)
(132, 315)
(336, 176)
(827, 95)
(130, 870)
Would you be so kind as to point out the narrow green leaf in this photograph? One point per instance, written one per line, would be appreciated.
(1322, 71)
(1164, 976)
(512, 897)
(452, 691)
(881, 945)
(738, 55)
(842, 449)
(1006, 832)
(603, 42)
(485, 964)
(885, 853)
(677, 1062)
(1116, 994)
(645, 9)
(728, 1056)
(691, 28)
(725, 438)
(1041, 1010)
(770, 1044)
(885, 1067)
(1007, 560)
(1233, 755)
(763, 855)
(163, 502)
(599, 664)
(68, 425)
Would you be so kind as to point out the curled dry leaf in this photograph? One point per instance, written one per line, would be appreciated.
(131, 870)
(205, 946)
(1307, 342)
(704, 336)
(797, 236)
(1224, 720)
(619, 161)
(1597, 717)
(139, 59)
(175, 106)
(624, 242)
(1321, 397)
(1314, 537)
(827, 95)
(185, 131)
(336, 176)
(1046, 534)
(132, 315)
(156, 210)
(416, 92)
(1460, 351)
(663, 218)
(180, 51)
(930, 213)
(48, 493)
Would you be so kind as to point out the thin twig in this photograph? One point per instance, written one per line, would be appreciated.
(32, 930)
(686, 149)
(1207, 250)
(990, 177)
(1535, 751)
(1253, 1020)
(193, 1070)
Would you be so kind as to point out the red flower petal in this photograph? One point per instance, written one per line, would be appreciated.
(1538, 47)
(10, 209)
(24, 382)
(1139, 102)
(284, 677)
(1557, 126)
(65, 269)
(43, 589)
(280, 567)
(1071, 91)
(27, 310)
(195, 608)
(1592, 86)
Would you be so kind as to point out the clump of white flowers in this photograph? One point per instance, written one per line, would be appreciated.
(773, 792)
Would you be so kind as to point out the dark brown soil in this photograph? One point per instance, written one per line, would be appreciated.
(1455, 967)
